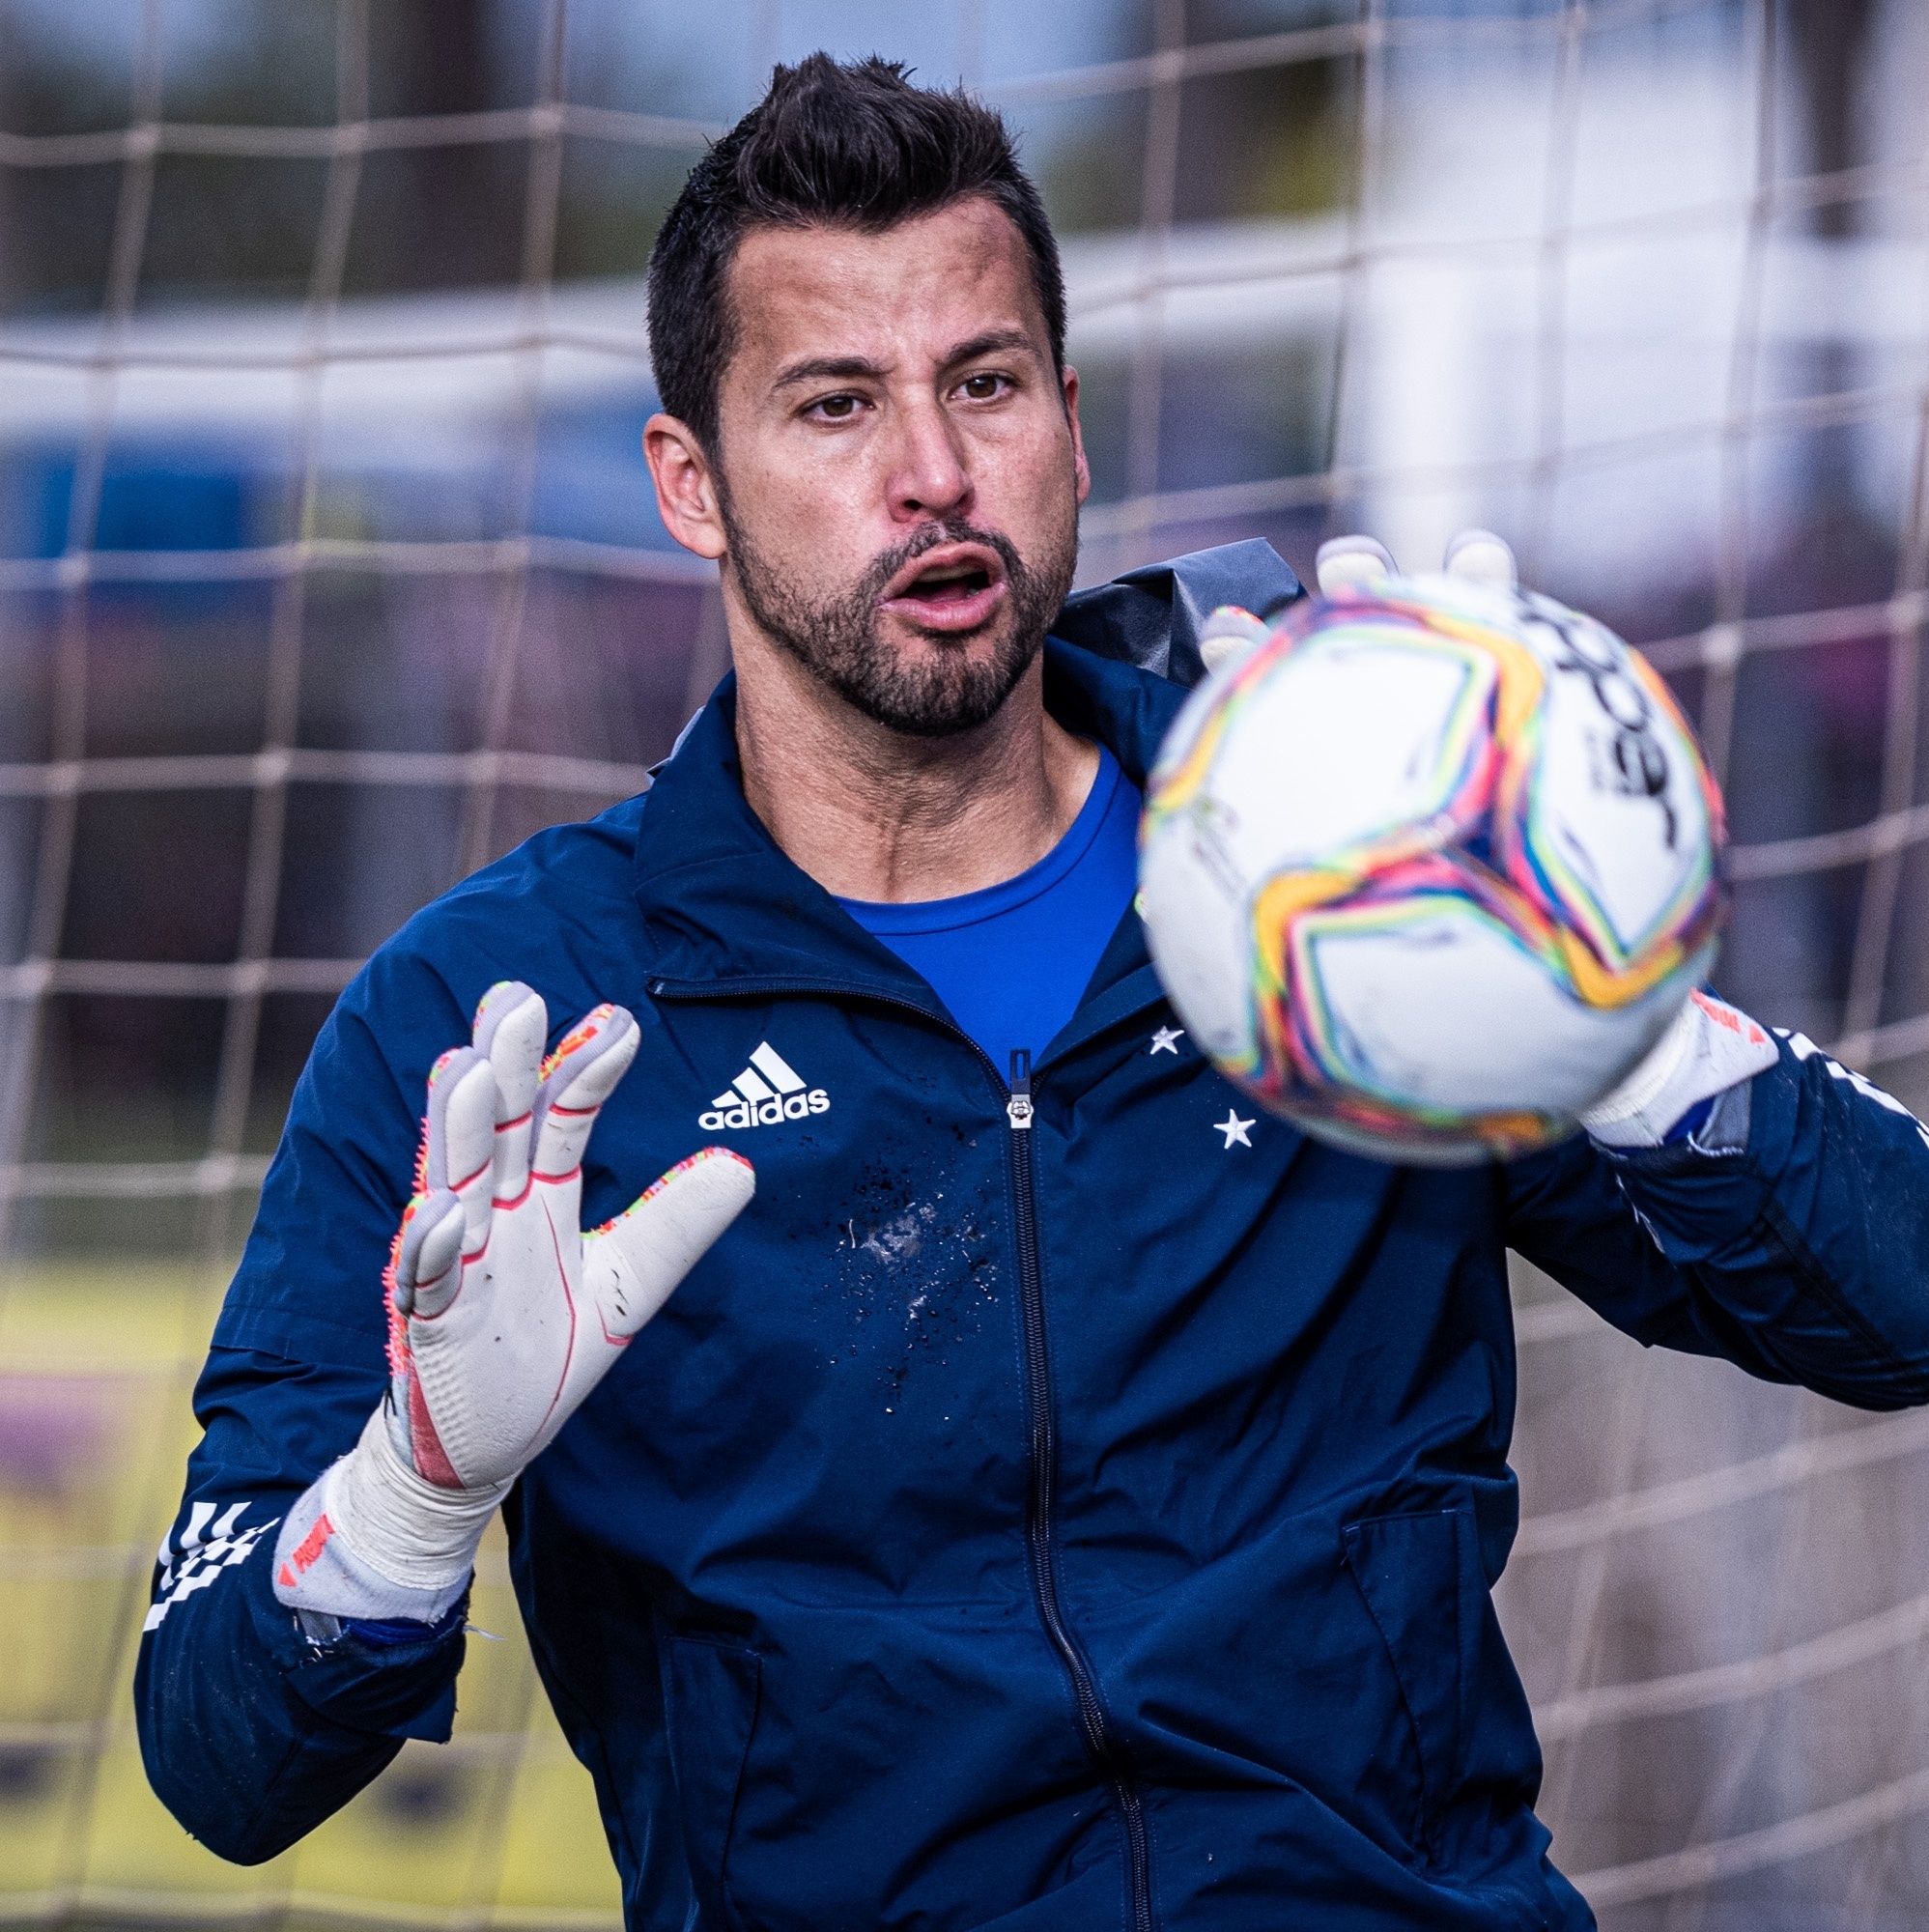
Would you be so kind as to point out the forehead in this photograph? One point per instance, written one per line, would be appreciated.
(909, 291)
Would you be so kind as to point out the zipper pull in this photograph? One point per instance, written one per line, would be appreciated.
(1019, 1107)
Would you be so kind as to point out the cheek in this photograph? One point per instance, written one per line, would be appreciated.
(816, 528)
(1034, 471)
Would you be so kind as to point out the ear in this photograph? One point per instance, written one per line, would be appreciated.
(1080, 468)
(686, 489)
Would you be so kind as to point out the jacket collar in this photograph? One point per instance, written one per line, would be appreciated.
(726, 911)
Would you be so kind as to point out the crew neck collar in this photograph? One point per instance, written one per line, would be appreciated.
(914, 916)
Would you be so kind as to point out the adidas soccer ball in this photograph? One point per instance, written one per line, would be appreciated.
(1433, 869)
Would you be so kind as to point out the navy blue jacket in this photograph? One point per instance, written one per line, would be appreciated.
(1083, 1526)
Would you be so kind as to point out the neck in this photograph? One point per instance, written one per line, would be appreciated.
(872, 813)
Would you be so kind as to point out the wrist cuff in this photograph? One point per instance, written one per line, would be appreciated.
(1708, 1051)
(371, 1539)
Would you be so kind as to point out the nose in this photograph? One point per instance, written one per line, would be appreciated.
(928, 476)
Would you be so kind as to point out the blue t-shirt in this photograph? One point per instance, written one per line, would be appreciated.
(1011, 961)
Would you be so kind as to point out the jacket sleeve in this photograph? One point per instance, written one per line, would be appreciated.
(253, 1727)
(1798, 1245)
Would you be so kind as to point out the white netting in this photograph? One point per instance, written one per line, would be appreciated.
(313, 600)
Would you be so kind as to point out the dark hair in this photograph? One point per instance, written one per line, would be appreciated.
(855, 145)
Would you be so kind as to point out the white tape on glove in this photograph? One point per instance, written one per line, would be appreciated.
(502, 1314)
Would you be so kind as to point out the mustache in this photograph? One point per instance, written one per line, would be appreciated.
(948, 529)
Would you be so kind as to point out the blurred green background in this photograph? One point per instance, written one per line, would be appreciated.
(500, 1827)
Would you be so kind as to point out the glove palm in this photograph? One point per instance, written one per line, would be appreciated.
(502, 1314)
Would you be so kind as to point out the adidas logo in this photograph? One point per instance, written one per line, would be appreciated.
(766, 1093)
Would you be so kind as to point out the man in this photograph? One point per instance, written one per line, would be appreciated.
(1044, 1506)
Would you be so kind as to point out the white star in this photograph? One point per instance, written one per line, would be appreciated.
(1163, 1041)
(1234, 1128)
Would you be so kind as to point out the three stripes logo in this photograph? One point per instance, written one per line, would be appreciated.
(765, 1094)
(205, 1551)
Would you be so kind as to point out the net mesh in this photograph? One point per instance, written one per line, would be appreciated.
(311, 603)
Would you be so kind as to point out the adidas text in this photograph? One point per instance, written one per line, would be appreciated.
(765, 1094)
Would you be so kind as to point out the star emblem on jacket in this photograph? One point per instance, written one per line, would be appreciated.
(1166, 1040)
(1234, 1128)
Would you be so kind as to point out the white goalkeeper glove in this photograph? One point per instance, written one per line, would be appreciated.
(1230, 634)
(502, 1316)
(1709, 1047)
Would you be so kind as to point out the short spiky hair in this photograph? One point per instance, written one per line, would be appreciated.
(855, 145)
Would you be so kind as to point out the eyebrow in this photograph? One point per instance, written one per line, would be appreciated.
(817, 368)
(990, 343)
(858, 368)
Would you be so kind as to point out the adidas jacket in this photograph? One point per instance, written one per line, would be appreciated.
(1082, 1525)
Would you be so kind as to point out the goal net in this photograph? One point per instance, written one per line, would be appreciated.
(328, 571)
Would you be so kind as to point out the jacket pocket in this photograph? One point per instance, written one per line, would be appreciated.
(710, 1708)
(1409, 1569)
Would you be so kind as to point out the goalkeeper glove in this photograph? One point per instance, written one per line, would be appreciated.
(502, 1316)
(1230, 634)
(1708, 1051)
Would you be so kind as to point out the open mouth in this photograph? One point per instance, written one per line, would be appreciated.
(954, 588)
(948, 583)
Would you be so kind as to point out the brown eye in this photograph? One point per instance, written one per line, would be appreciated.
(838, 408)
(980, 389)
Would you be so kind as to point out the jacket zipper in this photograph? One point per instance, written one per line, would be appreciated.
(1104, 1748)
(1100, 1743)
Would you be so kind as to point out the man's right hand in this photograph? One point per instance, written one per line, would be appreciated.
(502, 1316)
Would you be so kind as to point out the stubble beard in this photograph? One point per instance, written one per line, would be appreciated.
(842, 642)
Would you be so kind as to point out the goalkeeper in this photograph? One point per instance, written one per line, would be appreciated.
(1054, 1500)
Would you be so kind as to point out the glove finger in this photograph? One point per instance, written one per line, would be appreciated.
(511, 1025)
(460, 1146)
(1351, 562)
(422, 1272)
(1482, 556)
(1229, 636)
(578, 1077)
(631, 1265)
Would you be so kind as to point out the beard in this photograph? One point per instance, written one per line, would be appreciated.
(840, 640)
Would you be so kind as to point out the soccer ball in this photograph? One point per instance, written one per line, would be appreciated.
(1431, 868)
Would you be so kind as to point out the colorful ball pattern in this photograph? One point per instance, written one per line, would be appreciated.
(1431, 868)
